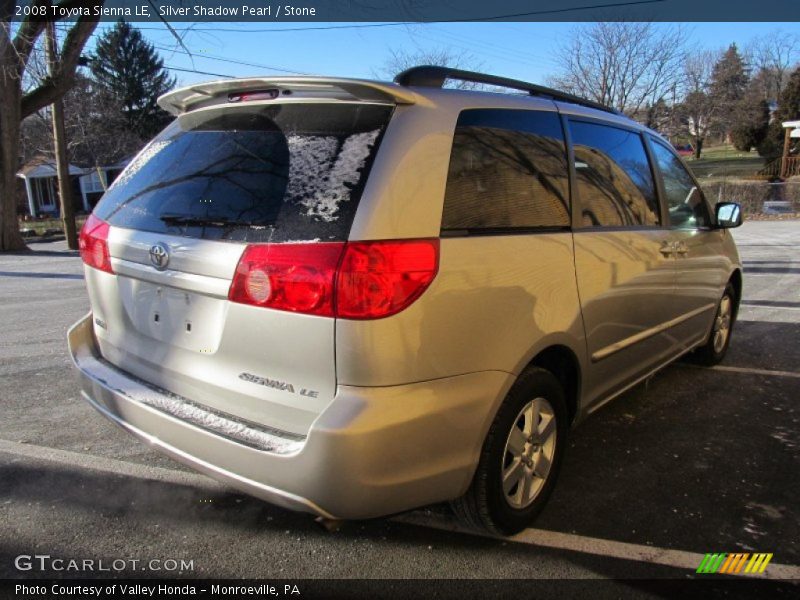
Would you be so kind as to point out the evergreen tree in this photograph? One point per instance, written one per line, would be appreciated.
(751, 119)
(728, 83)
(789, 102)
(129, 68)
(788, 110)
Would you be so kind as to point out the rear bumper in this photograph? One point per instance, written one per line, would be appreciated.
(371, 452)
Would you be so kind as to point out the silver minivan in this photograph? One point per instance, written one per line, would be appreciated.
(355, 298)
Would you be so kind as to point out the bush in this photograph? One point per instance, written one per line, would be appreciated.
(743, 138)
(772, 144)
(752, 194)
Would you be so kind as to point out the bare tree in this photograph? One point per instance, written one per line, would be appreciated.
(772, 57)
(96, 128)
(17, 40)
(400, 60)
(698, 111)
(628, 66)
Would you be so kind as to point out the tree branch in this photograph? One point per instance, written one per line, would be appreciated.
(30, 29)
(57, 85)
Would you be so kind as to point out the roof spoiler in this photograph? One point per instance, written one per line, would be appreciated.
(203, 94)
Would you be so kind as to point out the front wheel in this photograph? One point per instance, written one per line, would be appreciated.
(714, 350)
(521, 457)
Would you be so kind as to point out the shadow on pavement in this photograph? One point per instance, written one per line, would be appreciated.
(41, 275)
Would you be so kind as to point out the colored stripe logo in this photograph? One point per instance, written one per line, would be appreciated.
(735, 563)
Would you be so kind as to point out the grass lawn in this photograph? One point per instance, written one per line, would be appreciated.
(42, 225)
(726, 161)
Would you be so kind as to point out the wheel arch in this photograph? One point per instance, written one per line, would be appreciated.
(562, 362)
(736, 281)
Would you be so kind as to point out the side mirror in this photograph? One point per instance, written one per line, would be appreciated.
(729, 215)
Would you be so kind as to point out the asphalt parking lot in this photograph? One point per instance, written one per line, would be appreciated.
(692, 462)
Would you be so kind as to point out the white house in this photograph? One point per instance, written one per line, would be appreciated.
(41, 186)
(790, 159)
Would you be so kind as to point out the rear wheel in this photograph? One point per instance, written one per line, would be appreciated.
(714, 350)
(521, 457)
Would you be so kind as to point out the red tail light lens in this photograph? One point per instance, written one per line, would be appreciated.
(293, 277)
(379, 279)
(356, 280)
(93, 244)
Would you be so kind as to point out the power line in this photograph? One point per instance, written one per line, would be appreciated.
(229, 60)
(554, 11)
(481, 52)
(520, 54)
(285, 29)
(198, 72)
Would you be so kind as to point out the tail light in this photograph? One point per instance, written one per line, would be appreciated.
(353, 280)
(93, 244)
(293, 277)
(378, 279)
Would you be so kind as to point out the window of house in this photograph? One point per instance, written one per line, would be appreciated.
(92, 183)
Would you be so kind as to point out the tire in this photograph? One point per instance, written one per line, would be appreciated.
(715, 348)
(487, 505)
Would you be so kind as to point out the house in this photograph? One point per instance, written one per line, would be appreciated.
(40, 198)
(790, 160)
(41, 188)
(96, 180)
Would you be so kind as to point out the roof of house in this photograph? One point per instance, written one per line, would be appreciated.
(44, 167)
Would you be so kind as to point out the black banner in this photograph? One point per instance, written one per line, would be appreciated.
(415, 11)
(357, 589)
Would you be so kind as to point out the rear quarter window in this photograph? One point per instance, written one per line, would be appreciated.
(253, 173)
(508, 172)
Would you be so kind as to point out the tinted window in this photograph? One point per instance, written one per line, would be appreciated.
(508, 170)
(251, 173)
(615, 183)
(687, 207)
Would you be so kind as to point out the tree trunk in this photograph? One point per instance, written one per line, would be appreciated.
(14, 56)
(698, 147)
(60, 145)
(10, 238)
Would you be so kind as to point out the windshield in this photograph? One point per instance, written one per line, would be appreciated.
(290, 172)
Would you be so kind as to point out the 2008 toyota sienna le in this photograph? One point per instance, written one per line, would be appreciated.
(354, 298)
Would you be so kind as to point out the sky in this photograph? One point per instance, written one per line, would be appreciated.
(525, 51)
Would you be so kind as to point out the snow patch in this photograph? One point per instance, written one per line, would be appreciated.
(322, 178)
(310, 160)
(187, 411)
(141, 160)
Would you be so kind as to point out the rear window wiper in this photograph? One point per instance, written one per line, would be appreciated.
(209, 221)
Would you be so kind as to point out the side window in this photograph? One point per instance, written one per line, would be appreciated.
(615, 183)
(508, 170)
(687, 207)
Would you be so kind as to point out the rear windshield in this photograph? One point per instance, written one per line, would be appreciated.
(282, 172)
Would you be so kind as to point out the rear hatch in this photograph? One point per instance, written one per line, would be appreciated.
(181, 215)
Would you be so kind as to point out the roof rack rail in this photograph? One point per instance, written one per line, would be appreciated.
(434, 76)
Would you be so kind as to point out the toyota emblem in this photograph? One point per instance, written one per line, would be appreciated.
(159, 256)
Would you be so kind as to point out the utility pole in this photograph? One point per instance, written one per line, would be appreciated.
(60, 143)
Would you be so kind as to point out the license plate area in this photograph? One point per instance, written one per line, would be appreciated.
(174, 316)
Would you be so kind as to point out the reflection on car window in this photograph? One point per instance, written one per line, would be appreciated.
(250, 172)
(687, 208)
(615, 184)
(508, 170)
